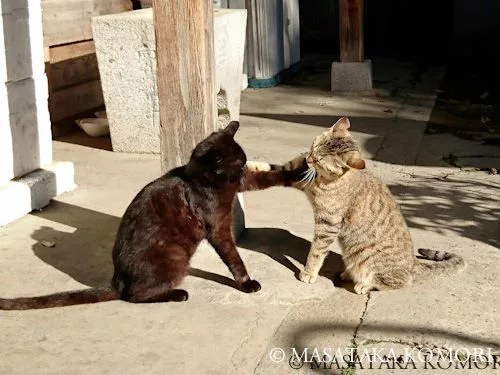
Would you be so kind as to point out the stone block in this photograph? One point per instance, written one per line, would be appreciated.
(21, 50)
(125, 47)
(229, 46)
(25, 135)
(352, 76)
(34, 190)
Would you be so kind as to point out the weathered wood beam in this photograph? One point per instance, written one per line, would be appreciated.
(185, 76)
(351, 30)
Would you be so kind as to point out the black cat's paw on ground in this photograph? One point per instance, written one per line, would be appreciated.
(178, 295)
(251, 286)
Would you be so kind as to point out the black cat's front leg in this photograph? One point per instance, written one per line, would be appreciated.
(259, 180)
(224, 245)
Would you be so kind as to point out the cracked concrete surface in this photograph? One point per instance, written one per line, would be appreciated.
(223, 331)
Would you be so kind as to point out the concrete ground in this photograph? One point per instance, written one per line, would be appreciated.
(223, 331)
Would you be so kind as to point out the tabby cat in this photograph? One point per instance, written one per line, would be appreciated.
(357, 208)
(166, 222)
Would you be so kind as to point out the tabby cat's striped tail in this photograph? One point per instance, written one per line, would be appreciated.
(443, 264)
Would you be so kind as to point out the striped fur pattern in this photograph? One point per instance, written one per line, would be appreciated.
(357, 208)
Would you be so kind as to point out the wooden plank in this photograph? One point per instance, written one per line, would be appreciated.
(68, 21)
(71, 51)
(74, 71)
(75, 99)
(351, 30)
(185, 76)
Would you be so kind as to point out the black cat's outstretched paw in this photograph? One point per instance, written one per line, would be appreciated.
(251, 286)
(178, 295)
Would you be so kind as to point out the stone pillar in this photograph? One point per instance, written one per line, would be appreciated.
(25, 131)
(272, 40)
(352, 73)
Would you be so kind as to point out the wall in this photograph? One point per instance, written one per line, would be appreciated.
(477, 28)
(71, 63)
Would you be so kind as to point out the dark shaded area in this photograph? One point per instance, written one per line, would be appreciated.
(468, 105)
(401, 29)
(136, 4)
(85, 254)
(68, 131)
(469, 100)
(460, 35)
(79, 137)
(214, 277)
(280, 244)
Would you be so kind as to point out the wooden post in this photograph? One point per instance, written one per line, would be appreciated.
(185, 76)
(351, 30)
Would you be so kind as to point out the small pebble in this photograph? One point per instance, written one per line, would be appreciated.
(492, 171)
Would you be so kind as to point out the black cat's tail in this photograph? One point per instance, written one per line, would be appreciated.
(78, 297)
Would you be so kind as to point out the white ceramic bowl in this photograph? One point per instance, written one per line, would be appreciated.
(95, 127)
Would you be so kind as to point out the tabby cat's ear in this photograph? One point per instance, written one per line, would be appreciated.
(356, 162)
(342, 124)
(232, 128)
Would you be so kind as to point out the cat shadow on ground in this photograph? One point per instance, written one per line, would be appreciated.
(83, 249)
(283, 247)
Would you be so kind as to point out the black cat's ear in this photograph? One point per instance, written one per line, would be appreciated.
(232, 128)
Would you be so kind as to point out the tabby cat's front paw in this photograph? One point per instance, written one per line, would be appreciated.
(362, 288)
(251, 286)
(307, 277)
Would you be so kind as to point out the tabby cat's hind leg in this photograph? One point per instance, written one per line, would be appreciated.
(362, 278)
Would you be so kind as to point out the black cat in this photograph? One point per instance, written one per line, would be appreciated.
(167, 220)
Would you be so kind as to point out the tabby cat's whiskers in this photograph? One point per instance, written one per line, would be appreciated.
(309, 176)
